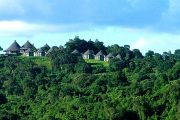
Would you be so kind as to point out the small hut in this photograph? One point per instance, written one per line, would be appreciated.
(26, 46)
(100, 56)
(14, 48)
(52, 49)
(39, 52)
(46, 47)
(76, 52)
(89, 54)
(61, 47)
(119, 57)
(109, 56)
(29, 52)
(49, 51)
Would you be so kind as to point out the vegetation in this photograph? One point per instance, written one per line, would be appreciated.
(64, 86)
(41, 61)
(1, 48)
(95, 63)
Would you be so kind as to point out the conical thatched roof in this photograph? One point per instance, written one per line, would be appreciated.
(27, 45)
(40, 50)
(119, 56)
(89, 52)
(29, 50)
(46, 46)
(54, 48)
(61, 47)
(15, 47)
(49, 51)
(110, 55)
(75, 52)
(100, 53)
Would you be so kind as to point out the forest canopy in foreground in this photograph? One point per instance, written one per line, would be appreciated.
(63, 86)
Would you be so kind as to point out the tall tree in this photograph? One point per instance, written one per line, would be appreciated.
(137, 54)
(1, 48)
(149, 54)
(177, 54)
(99, 46)
(76, 43)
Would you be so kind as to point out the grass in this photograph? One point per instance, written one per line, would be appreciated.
(41, 61)
(97, 62)
(44, 61)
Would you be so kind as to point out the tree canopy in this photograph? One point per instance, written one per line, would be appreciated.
(64, 86)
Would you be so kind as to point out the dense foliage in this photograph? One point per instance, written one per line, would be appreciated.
(135, 87)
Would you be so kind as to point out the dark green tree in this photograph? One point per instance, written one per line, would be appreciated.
(149, 54)
(3, 99)
(99, 46)
(83, 68)
(1, 48)
(177, 54)
(137, 54)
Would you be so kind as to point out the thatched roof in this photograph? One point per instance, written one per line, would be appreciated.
(27, 45)
(89, 52)
(29, 50)
(40, 50)
(119, 56)
(61, 47)
(100, 53)
(14, 47)
(46, 46)
(110, 55)
(54, 48)
(49, 51)
(75, 52)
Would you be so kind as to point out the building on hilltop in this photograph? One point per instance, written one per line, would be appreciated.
(100, 56)
(89, 54)
(119, 57)
(14, 48)
(39, 52)
(76, 52)
(109, 56)
(45, 48)
(51, 50)
(27, 49)
(29, 52)
(61, 47)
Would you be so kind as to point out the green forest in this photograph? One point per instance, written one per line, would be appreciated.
(64, 86)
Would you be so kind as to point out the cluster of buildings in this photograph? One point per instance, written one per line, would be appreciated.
(89, 54)
(29, 49)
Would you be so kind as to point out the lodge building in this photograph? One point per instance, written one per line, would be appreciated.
(29, 49)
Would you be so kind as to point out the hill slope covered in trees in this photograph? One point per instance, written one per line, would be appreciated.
(64, 86)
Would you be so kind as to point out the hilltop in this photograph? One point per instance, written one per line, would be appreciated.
(71, 83)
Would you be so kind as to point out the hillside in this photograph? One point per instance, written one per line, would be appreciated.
(41, 61)
(64, 86)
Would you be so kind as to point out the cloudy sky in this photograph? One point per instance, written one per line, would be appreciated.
(143, 24)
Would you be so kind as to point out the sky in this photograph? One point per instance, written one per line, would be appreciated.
(142, 24)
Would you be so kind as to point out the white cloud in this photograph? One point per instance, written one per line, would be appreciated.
(13, 28)
(157, 42)
(16, 26)
(140, 43)
(147, 43)
(21, 28)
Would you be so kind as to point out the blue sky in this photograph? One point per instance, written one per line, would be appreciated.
(143, 24)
